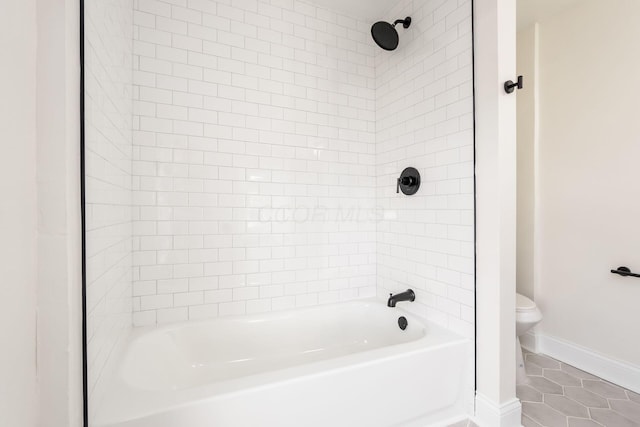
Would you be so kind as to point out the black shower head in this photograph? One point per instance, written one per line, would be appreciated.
(385, 34)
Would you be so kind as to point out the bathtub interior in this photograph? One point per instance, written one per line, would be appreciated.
(187, 355)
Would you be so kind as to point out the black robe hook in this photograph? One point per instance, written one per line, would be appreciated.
(510, 86)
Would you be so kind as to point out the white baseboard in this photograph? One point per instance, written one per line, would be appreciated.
(621, 373)
(492, 414)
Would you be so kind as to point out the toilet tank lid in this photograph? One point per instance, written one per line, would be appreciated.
(523, 303)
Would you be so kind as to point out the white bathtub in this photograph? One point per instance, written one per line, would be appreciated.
(346, 365)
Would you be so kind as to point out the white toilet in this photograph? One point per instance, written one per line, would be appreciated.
(527, 316)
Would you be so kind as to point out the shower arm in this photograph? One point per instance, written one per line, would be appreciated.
(405, 22)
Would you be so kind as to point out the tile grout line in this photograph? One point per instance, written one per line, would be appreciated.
(606, 394)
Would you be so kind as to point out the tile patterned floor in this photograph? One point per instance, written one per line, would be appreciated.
(559, 395)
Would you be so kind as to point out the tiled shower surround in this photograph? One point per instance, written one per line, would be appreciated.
(268, 136)
(254, 158)
(424, 119)
(108, 154)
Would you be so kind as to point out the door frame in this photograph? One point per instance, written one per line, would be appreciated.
(494, 23)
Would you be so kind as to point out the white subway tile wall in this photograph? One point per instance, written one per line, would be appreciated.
(108, 152)
(254, 158)
(424, 107)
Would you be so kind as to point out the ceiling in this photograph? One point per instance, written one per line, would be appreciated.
(367, 10)
(530, 11)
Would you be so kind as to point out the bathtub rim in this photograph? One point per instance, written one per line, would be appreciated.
(139, 331)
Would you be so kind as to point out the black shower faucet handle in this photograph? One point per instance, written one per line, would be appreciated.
(408, 182)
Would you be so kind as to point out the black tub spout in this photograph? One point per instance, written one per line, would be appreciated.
(407, 295)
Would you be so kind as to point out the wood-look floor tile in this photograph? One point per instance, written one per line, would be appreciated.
(604, 389)
(578, 373)
(532, 369)
(635, 397)
(610, 418)
(528, 422)
(627, 409)
(543, 361)
(581, 422)
(573, 398)
(543, 385)
(585, 397)
(561, 377)
(528, 394)
(566, 406)
(544, 415)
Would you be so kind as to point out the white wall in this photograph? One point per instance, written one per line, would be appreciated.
(254, 158)
(589, 177)
(40, 215)
(59, 347)
(527, 117)
(496, 158)
(18, 221)
(108, 154)
(246, 116)
(424, 108)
